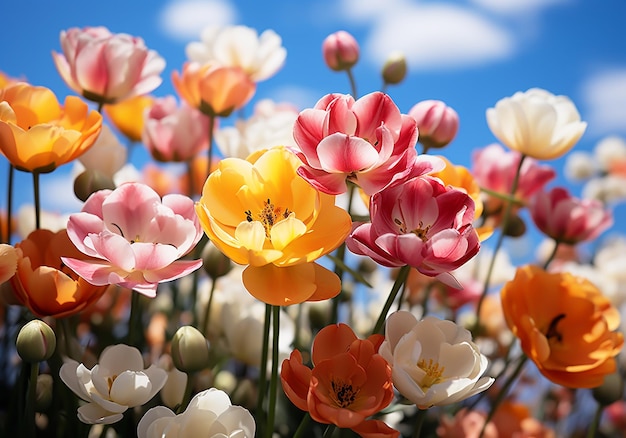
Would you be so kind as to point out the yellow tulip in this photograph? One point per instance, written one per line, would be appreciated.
(127, 115)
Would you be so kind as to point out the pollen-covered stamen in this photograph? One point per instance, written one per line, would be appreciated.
(421, 231)
(433, 370)
(268, 216)
(343, 393)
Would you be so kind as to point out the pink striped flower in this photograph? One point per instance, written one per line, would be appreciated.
(420, 223)
(138, 237)
(367, 141)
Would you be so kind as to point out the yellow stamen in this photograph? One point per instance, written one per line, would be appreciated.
(268, 216)
(433, 373)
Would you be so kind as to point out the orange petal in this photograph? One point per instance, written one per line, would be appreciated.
(281, 286)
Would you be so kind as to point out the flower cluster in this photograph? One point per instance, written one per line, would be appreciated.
(321, 270)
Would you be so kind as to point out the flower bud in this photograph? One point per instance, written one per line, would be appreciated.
(611, 390)
(394, 70)
(91, 181)
(214, 262)
(190, 349)
(43, 392)
(437, 123)
(36, 341)
(515, 227)
(340, 51)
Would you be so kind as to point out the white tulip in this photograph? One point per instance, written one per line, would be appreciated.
(434, 362)
(210, 413)
(118, 382)
(536, 123)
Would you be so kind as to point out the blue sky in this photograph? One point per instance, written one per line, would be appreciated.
(467, 53)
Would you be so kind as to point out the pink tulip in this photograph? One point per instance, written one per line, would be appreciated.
(138, 237)
(368, 142)
(340, 51)
(174, 133)
(437, 123)
(568, 219)
(106, 67)
(420, 223)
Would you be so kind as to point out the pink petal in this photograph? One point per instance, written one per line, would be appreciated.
(330, 183)
(129, 208)
(341, 153)
(374, 108)
(115, 249)
(81, 225)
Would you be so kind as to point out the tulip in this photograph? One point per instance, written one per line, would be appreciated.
(213, 89)
(174, 133)
(137, 237)
(210, 413)
(106, 156)
(420, 223)
(437, 123)
(367, 141)
(127, 115)
(105, 67)
(35, 341)
(394, 69)
(259, 56)
(568, 219)
(434, 362)
(340, 51)
(118, 382)
(190, 349)
(8, 262)
(565, 325)
(536, 123)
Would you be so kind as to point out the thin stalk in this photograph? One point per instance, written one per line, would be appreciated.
(207, 310)
(341, 255)
(595, 423)
(352, 83)
(210, 149)
(304, 424)
(552, 255)
(263, 364)
(187, 394)
(37, 200)
(330, 429)
(419, 422)
(400, 280)
(191, 186)
(28, 422)
(7, 239)
(133, 319)
(271, 410)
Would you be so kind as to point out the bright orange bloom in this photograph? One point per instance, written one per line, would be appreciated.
(127, 115)
(565, 325)
(43, 284)
(214, 89)
(349, 381)
(37, 134)
(6, 80)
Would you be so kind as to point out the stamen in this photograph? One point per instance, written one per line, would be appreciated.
(268, 216)
(343, 393)
(433, 372)
(552, 332)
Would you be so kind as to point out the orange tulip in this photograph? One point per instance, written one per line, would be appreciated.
(43, 284)
(8, 262)
(127, 115)
(37, 134)
(214, 89)
(565, 325)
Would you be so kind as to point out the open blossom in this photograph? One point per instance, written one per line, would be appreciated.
(565, 325)
(434, 362)
(367, 141)
(210, 413)
(137, 238)
(260, 213)
(349, 381)
(37, 134)
(259, 56)
(437, 123)
(174, 133)
(420, 223)
(119, 381)
(536, 123)
(568, 219)
(106, 67)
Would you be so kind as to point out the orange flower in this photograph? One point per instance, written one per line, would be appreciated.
(349, 381)
(214, 89)
(43, 284)
(127, 115)
(37, 134)
(8, 262)
(565, 325)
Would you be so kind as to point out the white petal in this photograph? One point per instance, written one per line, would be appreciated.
(119, 358)
(91, 413)
(131, 388)
(149, 418)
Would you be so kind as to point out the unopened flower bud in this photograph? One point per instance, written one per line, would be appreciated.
(437, 123)
(340, 51)
(43, 392)
(36, 341)
(214, 262)
(515, 227)
(190, 349)
(91, 181)
(611, 390)
(394, 70)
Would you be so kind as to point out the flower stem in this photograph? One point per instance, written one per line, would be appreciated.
(595, 423)
(341, 255)
(552, 255)
(37, 201)
(352, 83)
(207, 310)
(133, 319)
(329, 431)
(271, 410)
(7, 239)
(304, 424)
(263, 364)
(419, 422)
(505, 220)
(400, 279)
(210, 149)
(187, 394)
(28, 422)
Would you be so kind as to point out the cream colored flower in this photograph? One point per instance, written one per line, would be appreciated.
(434, 362)
(118, 382)
(536, 123)
(107, 155)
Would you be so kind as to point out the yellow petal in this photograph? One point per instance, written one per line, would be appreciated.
(251, 235)
(286, 231)
(281, 286)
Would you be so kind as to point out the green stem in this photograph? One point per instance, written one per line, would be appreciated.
(37, 201)
(505, 220)
(191, 187)
(210, 149)
(207, 310)
(133, 319)
(419, 422)
(595, 423)
(28, 422)
(9, 206)
(263, 364)
(341, 255)
(271, 411)
(187, 394)
(330, 429)
(352, 83)
(400, 279)
(304, 424)
(552, 255)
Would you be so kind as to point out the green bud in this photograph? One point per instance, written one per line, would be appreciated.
(36, 341)
(394, 70)
(90, 181)
(190, 350)
(43, 396)
(214, 262)
(611, 390)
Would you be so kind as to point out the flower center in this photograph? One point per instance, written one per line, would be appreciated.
(343, 393)
(110, 381)
(433, 373)
(268, 216)
(421, 231)
(552, 331)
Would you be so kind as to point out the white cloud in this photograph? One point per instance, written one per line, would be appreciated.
(438, 36)
(514, 7)
(604, 97)
(185, 19)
